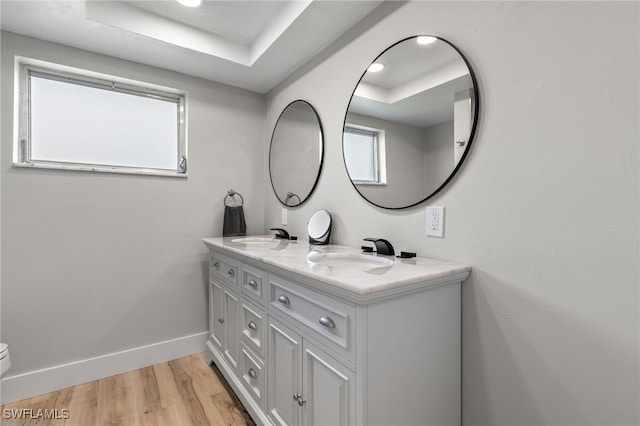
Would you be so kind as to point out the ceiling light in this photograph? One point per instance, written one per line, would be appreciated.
(190, 3)
(426, 39)
(375, 67)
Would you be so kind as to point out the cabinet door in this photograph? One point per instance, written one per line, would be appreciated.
(231, 329)
(216, 315)
(283, 374)
(328, 389)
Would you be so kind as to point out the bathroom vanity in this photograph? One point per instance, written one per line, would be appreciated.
(325, 335)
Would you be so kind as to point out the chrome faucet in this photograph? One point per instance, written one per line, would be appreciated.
(383, 246)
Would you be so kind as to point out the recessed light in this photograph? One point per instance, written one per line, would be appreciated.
(425, 39)
(190, 3)
(375, 67)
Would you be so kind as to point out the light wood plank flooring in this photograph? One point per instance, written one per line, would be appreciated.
(181, 392)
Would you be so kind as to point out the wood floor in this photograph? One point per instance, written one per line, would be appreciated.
(181, 392)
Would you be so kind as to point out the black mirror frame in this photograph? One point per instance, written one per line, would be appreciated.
(472, 133)
(315, 183)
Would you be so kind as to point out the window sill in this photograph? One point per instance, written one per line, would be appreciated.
(101, 169)
(370, 183)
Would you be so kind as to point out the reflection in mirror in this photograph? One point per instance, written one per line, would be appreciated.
(295, 156)
(319, 227)
(410, 122)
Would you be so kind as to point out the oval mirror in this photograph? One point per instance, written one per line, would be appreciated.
(319, 227)
(410, 122)
(296, 153)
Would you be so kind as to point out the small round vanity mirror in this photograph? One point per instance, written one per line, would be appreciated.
(319, 227)
(410, 122)
(296, 153)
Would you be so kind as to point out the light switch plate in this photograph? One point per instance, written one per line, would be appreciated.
(435, 221)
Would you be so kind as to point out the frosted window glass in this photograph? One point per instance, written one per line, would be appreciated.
(360, 155)
(73, 123)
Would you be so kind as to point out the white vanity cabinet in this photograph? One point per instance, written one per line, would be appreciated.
(307, 386)
(237, 323)
(224, 306)
(307, 345)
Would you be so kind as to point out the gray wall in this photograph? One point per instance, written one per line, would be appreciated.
(97, 263)
(545, 209)
(404, 152)
(438, 156)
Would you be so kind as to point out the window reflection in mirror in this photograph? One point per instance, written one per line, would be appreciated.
(423, 98)
(364, 154)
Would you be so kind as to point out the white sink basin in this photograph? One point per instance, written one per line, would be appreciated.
(249, 240)
(349, 260)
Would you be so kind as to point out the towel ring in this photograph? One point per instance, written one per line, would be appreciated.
(230, 194)
(291, 195)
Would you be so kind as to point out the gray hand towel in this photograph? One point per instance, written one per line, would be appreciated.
(234, 224)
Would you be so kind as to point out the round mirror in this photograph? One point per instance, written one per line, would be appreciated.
(319, 227)
(410, 122)
(295, 156)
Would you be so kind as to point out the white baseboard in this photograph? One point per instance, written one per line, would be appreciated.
(27, 385)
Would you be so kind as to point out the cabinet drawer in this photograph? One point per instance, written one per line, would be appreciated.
(327, 319)
(224, 269)
(253, 375)
(253, 326)
(253, 280)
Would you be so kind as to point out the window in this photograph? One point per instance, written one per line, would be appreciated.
(71, 119)
(364, 155)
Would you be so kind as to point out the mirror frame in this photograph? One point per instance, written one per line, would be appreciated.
(317, 178)
(472, 133)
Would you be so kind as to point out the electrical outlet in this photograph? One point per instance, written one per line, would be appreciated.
(435, 221)
(284, 216)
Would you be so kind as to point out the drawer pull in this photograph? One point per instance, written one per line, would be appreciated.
(216, 265)
(284, 300)
(231, 272)
(252, 325)
(252, 373)
(253, 283)
(327, 322)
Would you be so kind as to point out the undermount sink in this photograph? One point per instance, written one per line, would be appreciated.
(246, 240)
(345, 260)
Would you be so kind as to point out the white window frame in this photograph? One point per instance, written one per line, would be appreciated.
(25, 67)
(378, 152)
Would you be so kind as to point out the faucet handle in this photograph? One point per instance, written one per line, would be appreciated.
(281, 233)
(383, 246)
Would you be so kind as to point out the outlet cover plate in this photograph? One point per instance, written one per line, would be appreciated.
(435, 221)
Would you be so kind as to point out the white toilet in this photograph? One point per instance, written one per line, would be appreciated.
(5, 360)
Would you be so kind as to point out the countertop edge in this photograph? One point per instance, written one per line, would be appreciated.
(358, 294)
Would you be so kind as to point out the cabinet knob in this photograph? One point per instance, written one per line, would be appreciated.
(327, 322)
(253, 283)
(221, 321)
(231, 272)
(301, 401)
(252, 373)
(216, 265)
(252, 325)
(284, 300)
(296, 396)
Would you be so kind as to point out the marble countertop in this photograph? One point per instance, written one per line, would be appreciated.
(343, 267)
